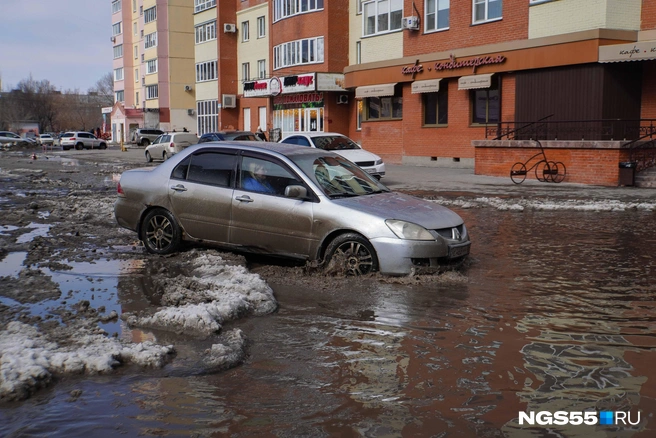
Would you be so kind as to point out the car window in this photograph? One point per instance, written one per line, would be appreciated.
(245, 137)
(180, 171)
(301, 141)
(334, 143)
(158, 140)
(164, 138)
(264, 176)
(68, 134)
(212, 168)
(339, 177)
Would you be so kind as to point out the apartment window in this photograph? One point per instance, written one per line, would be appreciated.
(359, 11)
(134, 28)
(206, 71)
(245, 32)
(201, 5)
(136, 52)
(382, 16)
(246, 71)
(261, 69)
(116, 6)
(487, 10)
(136, 76)
(436, 106)
(134, 5)
(150, 40)
(287, 8)
(308, 51)
(116, 28)
(152, 92)
(261, 27)
(151, 66)
(358, 52)
(208, 116)
(437, 14)
(358, 121)
(385, 107)
(119, 96)
(118, 74)
(150, 14)
(118, 51)
(486, 103)
(137, 97)
(206, 32)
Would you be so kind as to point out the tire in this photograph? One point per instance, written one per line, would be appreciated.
(165, 156)
(149, 158)
(351, 254)
(145, 142)
(518, 173)
(79, 146)
(103, 146)
(159, 232)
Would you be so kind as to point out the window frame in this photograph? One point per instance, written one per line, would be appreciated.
(289, 8)
(118, 74)
(205, 32)
(377, 15)
(392, 104)
(150, 40)
(149, 63)
(118, 48)
(441, 103)
(152, 92)
(202, 5)
(245, 31)
(150, 14)
(116, 6)
(494, 87)
(437, 28)
(207, 119)
(119, 95)
(261, 26)
(117, 28)
(290, 53)
(245, 71)
(487, 18)
(207, 71)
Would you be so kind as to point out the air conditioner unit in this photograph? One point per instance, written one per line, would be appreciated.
(229, 28)
(411, 23)
(190, 112)
(342, 99)
(113, 39)
(188, 88)
(229, 101)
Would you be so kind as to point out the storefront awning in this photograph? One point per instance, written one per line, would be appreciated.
(428, 86)
(375, 91)
(640, 51)
(475, 81)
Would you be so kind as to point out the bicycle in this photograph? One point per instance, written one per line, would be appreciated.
(545, 170)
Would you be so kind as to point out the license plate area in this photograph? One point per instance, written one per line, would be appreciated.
(458, 251)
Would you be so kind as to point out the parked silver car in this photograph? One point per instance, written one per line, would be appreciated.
(289, 201)
(8, 138)
(169, 144)
(145, 136)
(81, 140)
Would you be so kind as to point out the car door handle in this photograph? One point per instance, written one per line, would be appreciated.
(179, 188)
(244, 198)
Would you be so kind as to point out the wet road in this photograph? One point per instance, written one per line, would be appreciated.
(555, 312)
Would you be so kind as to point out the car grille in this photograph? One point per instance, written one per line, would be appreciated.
(364, 163)
(452, 233)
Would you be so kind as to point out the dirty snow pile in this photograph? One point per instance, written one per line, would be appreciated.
(29, 359)
(214, 292)
(547, 204)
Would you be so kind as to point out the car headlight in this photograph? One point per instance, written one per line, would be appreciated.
(408, 230)
(379, 162)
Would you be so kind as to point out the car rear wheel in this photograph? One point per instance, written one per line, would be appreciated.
(103, 146)
(160, 233)
(165, 156)
(145, 142)
(79, 146)
(351, 254)
(149, 158)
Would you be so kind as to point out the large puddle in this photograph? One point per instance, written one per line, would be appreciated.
(555, 312)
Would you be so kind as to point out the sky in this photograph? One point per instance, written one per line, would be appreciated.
(66, 42)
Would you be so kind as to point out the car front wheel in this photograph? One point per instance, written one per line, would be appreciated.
(351, 254)
(149, 158)
(145, 142)
(160, 233)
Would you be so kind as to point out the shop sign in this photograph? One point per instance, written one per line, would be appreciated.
(298, 83)
(638, 51)
(299, 98)
(265, 87)
(452, 64)
(330, 82)
(106, 110)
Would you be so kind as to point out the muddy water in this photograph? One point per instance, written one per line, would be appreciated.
(555, 312)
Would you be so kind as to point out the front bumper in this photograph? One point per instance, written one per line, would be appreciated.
(403, 257)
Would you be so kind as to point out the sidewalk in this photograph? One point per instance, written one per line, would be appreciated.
(454, 181)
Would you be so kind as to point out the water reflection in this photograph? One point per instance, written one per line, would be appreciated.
(556, 313)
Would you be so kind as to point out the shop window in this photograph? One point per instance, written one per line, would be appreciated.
(486, 103)
(436, 107)
(385, 107)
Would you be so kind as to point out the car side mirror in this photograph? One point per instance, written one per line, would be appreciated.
(297, 192)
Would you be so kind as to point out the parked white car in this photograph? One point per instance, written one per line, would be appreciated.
(342, 145)
(45, 139)
(81, 140)
(169, 144)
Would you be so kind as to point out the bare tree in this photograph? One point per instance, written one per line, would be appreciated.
(104, 88)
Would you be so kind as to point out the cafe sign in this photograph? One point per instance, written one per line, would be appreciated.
(454, 64)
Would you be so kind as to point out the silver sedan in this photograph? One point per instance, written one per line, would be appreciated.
(291, 201)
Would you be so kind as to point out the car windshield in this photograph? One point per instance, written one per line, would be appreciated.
(338, 177)
(334, 143)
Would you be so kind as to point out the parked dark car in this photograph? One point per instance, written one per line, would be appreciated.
(290, 201)
(229, 135)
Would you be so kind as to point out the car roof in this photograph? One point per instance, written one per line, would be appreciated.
(317, 134)
(287, 150)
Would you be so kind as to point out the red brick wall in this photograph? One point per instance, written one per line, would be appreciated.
(585, 166)
(461, 33)
(648, 15)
